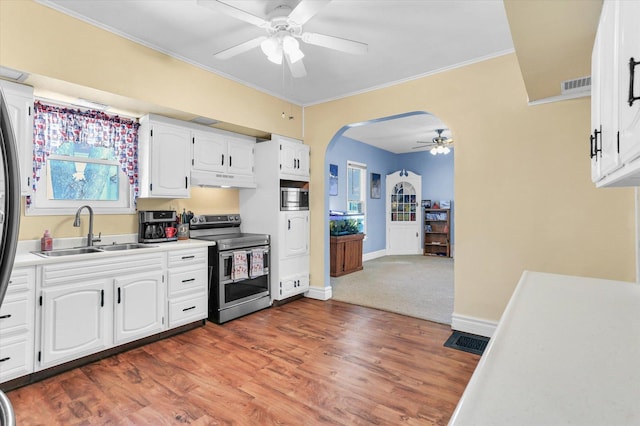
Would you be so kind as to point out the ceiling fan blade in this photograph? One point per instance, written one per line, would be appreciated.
(422, 146)
(234, 12)
(297, 68)
(337, 43)
(240, 48)
(305, 10)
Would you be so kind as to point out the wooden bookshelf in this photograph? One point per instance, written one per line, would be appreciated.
(437, 232)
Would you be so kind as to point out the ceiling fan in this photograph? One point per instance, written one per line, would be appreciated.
(284, 29)
(438, 145)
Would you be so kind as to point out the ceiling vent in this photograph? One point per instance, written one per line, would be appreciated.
(577, 85)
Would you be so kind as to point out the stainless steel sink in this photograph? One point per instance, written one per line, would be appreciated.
(123, 246)
(68, 252)
(94, 249)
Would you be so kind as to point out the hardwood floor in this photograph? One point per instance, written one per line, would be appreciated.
(303, 363)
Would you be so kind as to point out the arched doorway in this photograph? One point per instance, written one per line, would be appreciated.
(437, 172)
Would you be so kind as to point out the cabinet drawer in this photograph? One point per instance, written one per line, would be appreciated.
(14, 359)
(13, 315)
(188, 257)
(187, 309)
(22, 279)
(191, 280)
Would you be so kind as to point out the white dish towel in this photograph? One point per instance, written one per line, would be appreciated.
(257, 263)
(239, 270)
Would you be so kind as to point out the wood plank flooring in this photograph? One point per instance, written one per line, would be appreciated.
(303, 363)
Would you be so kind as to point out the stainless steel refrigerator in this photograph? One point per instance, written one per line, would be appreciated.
(10, 218)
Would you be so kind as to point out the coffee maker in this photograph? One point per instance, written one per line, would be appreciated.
(153, 224)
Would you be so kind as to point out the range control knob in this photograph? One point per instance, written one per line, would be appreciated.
(238, 218)
(201, 219)
(231, 218)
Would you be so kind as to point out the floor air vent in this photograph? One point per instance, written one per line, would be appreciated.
(577, 85)
(467, 342)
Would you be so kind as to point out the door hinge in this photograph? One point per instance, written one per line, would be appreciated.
(29, 110)
(162, 320)
(192, 162)
(618, 141)
(40, 300)
(151, 187)
(193, 140)
(162, 277)
(39, 356)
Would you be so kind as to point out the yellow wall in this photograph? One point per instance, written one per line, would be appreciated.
(44, 42)
(523, 197)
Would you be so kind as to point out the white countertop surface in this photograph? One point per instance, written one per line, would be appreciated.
(566, 352)
(24, 257)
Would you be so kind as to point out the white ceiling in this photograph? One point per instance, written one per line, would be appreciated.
(406, 39)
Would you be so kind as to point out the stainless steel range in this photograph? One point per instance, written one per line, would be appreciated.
(239, 279)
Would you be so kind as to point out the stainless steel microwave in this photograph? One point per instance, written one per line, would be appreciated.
(294, 199)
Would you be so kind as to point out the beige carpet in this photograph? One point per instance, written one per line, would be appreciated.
(414, 285)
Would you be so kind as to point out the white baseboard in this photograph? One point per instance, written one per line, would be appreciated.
(374, 255)
(320, 293)
(473, 325)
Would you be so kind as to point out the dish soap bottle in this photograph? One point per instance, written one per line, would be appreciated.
(46, 242)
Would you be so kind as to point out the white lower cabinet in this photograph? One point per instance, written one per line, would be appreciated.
(188, 284)
(139, 306)
(60, 312)
(17, 325)
(92, 305)
(293, 284)
(74, 321)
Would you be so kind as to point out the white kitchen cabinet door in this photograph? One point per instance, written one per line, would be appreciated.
(74, 321)
(19, 98)
(209, 152)
(293, 284)
(241, 156)
(604, 123)
(628, 51)
(139, 306)
(294, 159)
(294, 233)
(165, 158)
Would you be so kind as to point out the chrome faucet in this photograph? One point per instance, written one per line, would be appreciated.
(76, 223)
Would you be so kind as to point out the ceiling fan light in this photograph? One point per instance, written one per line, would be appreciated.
(434, 151)
(269, 46)
(289, 44)
(292, 48)
(276, 58)
(446, 150)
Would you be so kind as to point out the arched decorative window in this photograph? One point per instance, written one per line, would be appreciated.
(403, 203)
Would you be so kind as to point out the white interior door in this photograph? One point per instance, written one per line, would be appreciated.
(404, 191)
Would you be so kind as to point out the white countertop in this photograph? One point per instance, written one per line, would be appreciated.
(24, 257)
(566, 352)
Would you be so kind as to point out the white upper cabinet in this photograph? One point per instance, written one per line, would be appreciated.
(221, 158)
(615, 115)
(629, 65)
(165, 158)
(19, 99)
(294, 158)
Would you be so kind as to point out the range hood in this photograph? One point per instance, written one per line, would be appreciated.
(221, 180)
